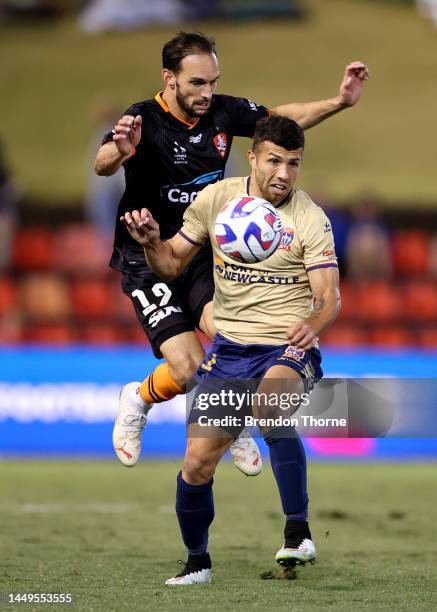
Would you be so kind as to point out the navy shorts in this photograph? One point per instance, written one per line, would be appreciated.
(239, 368)
(167, 309)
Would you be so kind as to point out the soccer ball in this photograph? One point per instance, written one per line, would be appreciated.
(248, 229)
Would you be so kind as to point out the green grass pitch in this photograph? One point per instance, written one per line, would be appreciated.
(109, 535)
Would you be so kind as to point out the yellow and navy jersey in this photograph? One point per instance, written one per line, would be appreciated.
(256, 303)
(173, 162)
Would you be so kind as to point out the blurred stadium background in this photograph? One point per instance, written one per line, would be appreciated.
(68, 73)
(68, 337)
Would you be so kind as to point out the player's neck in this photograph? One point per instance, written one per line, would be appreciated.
(169, 98)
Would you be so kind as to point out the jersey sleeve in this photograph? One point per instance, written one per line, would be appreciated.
(195, 225)
(108, 137)
(133, 110)
(318, 241)
(243, 115)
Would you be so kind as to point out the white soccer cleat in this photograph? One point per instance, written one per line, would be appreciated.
(303, 553)
(246, 455)
(197, 570)
(129, 424)
(199, 577)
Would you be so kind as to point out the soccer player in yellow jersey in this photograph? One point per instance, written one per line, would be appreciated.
(268, 315)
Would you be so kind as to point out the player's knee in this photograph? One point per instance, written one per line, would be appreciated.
(182, 369)
(197, 470)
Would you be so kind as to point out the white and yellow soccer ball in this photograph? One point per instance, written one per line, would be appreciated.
(248, 229)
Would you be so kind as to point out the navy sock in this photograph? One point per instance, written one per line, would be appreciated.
(287, 458)
(195, 512)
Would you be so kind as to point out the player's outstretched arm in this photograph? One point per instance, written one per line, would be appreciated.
(326, 306)
(167, 258)
(126, 136)
(308, 114)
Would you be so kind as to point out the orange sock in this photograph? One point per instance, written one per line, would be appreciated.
(159, 386)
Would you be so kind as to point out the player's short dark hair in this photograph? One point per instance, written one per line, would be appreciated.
(183, 44)
(281, 131)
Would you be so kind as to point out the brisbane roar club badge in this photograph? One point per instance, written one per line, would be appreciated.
(221, 143)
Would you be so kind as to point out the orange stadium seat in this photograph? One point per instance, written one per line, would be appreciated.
(33, 249)
(58, 333)
(11, 329)
(379, 300)
(135, 334)
(8, 295)
(90, 297)
(393, 336)
(343, 335)
(421, 300)
(105, 333)
(349, 300)
(81, 249)
(411, 252)
(427, 337)
(44, 297)
(120, 306)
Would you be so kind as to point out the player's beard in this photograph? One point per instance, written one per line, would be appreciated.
(263, 183)
(189, 110)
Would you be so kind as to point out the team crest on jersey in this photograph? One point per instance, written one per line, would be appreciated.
(221, 143)
(286, 239)
(293, 353)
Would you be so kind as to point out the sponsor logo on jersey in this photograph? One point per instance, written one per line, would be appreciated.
(221, 143)
(162, 313)
(180, 153)
(329, 253)
(252, 105)
(250, 276)
(286, 239)
(185, 193)
(195, 139)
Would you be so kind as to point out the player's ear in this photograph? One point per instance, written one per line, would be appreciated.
(169, 78)
(251, 157)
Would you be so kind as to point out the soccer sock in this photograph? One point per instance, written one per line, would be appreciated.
(287, 458)
(195, 511)
(159, 386)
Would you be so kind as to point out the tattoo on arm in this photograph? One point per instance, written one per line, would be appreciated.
(319, 304)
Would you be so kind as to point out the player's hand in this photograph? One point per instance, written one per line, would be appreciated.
(301, 335)
(351, 86)
(127, 133)
(141, 226)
